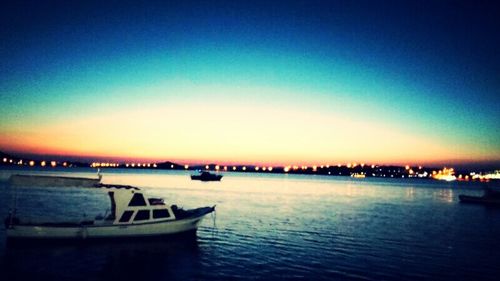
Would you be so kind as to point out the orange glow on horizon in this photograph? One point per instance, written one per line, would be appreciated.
(121, 137)
(234, 161)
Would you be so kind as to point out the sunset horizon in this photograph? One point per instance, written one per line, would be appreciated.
(470, 164)
(250, 86)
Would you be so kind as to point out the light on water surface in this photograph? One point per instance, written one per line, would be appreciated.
(275, 225)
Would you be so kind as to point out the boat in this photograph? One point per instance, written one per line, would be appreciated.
(206, 176)
(53, 181)
(133, 214)
(358, 175)
(490, 197)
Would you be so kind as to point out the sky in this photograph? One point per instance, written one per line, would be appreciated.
(271, 82)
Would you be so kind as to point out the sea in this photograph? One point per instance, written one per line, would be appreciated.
(266, 227)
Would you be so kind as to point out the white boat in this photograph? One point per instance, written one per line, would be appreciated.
(132, 215)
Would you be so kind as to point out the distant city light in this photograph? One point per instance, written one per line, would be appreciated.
(446, 174)
(494, 175)
(356, 170)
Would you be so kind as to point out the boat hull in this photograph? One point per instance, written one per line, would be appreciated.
(83, 232)
(479, 200)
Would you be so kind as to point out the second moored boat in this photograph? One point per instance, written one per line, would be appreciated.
(206, 176)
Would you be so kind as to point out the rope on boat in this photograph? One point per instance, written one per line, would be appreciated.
(214, 225)
(84, 232)
(13, 209)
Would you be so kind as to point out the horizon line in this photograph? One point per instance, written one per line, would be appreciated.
(495, 164)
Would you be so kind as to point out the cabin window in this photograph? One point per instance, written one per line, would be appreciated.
(161, 213)
(156, 201)
(137, 200)
(112, 216)
(126, 216)
(142, 215)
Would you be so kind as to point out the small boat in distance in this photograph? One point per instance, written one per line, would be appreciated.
(206, 176)
(490, 197)
(358, 175)
(132, 215)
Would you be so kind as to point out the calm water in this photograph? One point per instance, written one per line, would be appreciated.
(277, 227)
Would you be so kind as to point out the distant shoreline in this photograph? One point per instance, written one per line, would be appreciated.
(351, 169)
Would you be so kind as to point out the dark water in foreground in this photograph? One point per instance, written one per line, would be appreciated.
(274, 227)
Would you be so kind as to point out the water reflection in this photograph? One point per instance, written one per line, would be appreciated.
(276, 227)
(104, 260)
(445, 195)
(410, 193)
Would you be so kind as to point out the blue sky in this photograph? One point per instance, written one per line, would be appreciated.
(423, 73)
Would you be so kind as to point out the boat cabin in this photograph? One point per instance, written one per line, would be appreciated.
(129, 205)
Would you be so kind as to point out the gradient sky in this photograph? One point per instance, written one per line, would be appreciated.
(295, 82)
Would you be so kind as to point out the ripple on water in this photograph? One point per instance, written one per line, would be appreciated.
(279, 228)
